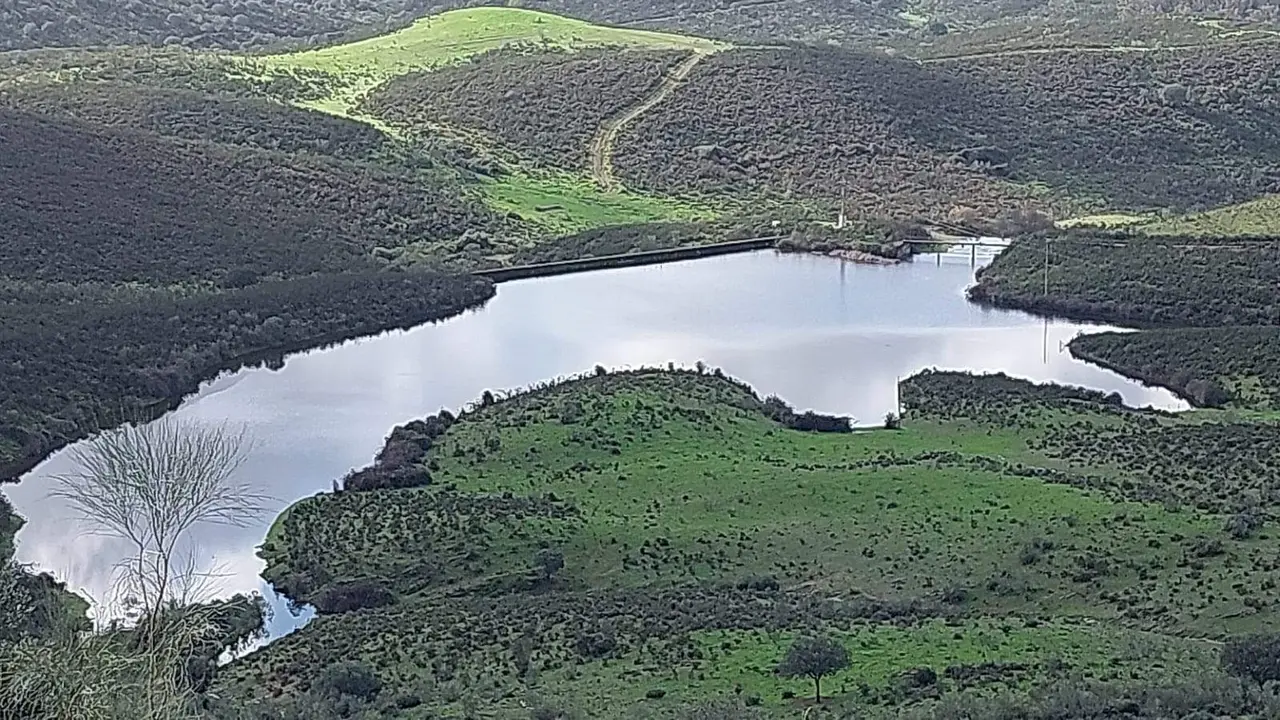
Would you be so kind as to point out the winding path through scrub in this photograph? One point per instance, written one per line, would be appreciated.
(601, 148)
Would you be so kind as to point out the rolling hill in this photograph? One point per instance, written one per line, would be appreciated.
(270, 23)
(136, 266)
(219, 183)
(130, 206)
(700, 531)
(1186, 129)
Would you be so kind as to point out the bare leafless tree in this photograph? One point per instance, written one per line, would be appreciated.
(150, 485)
(147, 485)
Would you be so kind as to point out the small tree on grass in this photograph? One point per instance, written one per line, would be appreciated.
(814, 657)
(549, 561)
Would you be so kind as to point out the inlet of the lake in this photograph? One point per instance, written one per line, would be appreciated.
(821, 333)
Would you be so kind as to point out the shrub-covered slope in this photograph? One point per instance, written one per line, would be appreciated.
(1178, 128)
(812, 122)
(1210, 305)
(1167, 282)
(196, 115)
(74, 358)
(1209, 366)
(545, 106)
(135, 266)
(254, 23)
(1181, 128)
(204, 23)
(85, 203)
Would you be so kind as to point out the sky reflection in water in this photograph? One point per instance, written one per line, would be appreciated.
(823, 334)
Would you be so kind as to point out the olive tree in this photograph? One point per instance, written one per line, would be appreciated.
(814, 657)
(549, 562)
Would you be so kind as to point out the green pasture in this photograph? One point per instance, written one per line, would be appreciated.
(346, 73)
(1256, 217)
(669, 489)
(565, 204)
(882, 653)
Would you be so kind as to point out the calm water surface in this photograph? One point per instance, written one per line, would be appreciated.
(823, 334)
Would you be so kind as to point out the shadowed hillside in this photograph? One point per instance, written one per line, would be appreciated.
(545, 106)
(129, 206)
(135, 266)
(258, 23)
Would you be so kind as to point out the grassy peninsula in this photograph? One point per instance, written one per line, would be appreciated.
(1005, 525)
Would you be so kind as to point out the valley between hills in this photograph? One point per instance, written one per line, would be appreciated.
(188, 191)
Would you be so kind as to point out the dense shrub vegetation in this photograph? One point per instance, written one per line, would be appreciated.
(135, 266)
(32, 605)
(618, 240)
(545, 106)
(1208, 366)
(1210, 307)
(253, 23)
(874, 20)
(814, 123)
(67, 23)
(1189, 129)
(196, 115)
(74, 357)
(1181, 128)
(1167, 282)
(148, 210)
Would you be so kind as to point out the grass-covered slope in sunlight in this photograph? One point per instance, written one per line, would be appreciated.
(654, 478)
(344, 73)
(1007, 534)
(1254, 218)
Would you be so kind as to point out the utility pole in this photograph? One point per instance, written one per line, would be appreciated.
(1046, 267)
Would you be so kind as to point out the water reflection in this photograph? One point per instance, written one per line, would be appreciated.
(823, 334)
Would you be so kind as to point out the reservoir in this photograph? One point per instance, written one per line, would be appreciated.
(823, 334)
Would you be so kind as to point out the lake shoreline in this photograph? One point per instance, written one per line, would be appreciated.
(11, 472)
(779, 321)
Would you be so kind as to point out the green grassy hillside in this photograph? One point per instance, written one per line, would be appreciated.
(1015, 515)
(1257, 217)
(340, 76)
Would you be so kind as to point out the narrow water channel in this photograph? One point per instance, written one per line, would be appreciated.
(822, 333)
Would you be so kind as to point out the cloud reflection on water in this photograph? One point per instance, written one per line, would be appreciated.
(822, 334)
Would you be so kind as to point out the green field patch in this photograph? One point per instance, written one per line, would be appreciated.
(965, 655)
(678, 478)
(1257, 217)
(564, 204)
(343, 74)
(882, 653)
(1007, 535)
(1106, 220)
